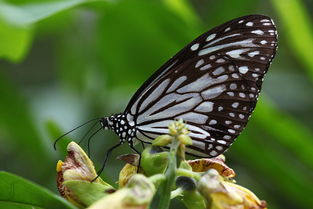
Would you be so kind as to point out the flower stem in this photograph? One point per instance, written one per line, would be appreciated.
(170, 174)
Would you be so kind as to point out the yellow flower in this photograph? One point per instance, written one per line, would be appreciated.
(137, 194)
(223, 194)
(76, 178)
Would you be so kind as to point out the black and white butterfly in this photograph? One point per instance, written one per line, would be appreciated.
(213, 84)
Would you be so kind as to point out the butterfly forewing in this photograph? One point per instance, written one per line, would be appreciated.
(212, 84)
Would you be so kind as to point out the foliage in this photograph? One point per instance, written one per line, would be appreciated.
(199, 184)
(17, 192)
(64, 62)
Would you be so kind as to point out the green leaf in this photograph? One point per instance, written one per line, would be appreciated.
(278, 150)
(16, 193)
(17, 122)
(27, 14)
(123, 46)
(184, 10)
(16, 21)
(298, 29)
(15, 41)
(290, 134)
(54, 132)
(86, 192)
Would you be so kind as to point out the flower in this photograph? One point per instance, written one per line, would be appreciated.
(137, 194)
(76, 178)
(223, 194)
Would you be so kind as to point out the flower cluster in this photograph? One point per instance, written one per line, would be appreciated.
(201, 183)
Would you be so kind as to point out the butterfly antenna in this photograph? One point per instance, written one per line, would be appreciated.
(105, 160)
(89, 139)
(86, 134)
(56, 141)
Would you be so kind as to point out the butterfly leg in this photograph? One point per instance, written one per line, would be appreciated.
(131, 144)
(143, 145)
(106, 158)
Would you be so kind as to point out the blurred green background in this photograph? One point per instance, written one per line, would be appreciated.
(65, 62)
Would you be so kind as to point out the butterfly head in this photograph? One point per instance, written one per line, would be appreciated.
(104, 122)
(120, 125)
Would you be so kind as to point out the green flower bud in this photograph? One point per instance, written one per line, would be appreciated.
(153, 161)
(185, 139)
(137, 194)
(193, 200)
(162, 140)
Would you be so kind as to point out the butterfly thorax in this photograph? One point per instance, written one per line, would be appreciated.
(120, 125)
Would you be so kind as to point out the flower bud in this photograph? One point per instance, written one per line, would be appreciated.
(184, 139)
(76, 178)
(224, 194)
(153, 161)
(137, 194)
(162, 140)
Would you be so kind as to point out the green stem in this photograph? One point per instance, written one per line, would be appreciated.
(170, 176)
(177, 192)
(185, 172)
(157, 179)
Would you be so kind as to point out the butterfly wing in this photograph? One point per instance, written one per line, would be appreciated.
(212, 84)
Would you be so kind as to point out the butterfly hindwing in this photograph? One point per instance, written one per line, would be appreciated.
(212, 84)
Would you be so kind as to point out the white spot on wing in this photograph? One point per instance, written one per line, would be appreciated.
(258, 32)
(227, 137)
(205, 67)
(231, 131)
(235, 105)
(212, 122)
(205, 107)
(194, 117)
(201, 83)
(194, 47)
(176, 83)
(265, 20)
(220, 61)
(199, 63)
(233, 86)
(236, 53)
(155, 94)
(213, 92)
(243, 43)
(252, 54)
(242, 95)
(210, 37)
(243, 69)
(249, 24)
(218, 71)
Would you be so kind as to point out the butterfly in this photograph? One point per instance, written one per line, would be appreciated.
(213, 84)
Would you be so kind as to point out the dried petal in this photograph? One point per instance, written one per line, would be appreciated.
(126, 173)
(132, 159)
(202, 165)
